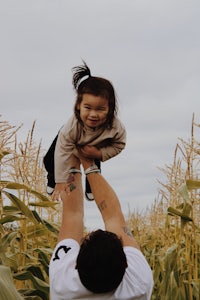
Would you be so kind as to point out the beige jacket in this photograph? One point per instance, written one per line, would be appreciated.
(111, 142)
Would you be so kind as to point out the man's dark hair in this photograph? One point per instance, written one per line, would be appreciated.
(101, 261)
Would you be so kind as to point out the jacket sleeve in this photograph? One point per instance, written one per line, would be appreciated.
(63, 151)
(114, 145)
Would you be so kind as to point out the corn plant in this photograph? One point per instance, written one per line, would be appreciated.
(27, 231)
(169, 233)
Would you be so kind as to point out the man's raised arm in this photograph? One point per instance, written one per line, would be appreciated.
(72, 212)
(108, 204)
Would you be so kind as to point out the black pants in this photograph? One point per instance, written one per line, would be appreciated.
(50, 168)
(49, 164)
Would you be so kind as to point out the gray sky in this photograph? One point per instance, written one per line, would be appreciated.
(150, 50)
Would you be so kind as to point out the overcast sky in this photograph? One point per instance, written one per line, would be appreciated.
(150, 50)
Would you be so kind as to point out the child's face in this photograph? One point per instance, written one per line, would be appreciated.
(93, 110)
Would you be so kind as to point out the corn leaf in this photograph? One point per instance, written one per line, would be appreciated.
(18, 186)
(196, 288)
(36, 231)
(183, 191)
(51, 227)
(176, 212)
(170, 260)
(43, 204)
(7, 287)
(35, 271)
(10, 218)
(37, 217)
(21, 206)
(193, 184)
(10, 261)
(10, 209)
(6, 240)
(44, 258)
(4, 153)
(38, 284)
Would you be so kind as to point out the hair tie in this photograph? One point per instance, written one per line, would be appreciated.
(83, 79)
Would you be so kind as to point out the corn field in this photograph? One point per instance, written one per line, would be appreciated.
(168, 232)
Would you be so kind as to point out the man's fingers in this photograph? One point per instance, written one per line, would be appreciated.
(56, 196)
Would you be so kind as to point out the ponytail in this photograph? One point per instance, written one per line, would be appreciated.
(79, 74)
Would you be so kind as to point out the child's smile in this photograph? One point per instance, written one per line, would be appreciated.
(93, 110)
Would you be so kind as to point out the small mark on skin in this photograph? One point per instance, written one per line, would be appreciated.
(127, 231)
(102, 205)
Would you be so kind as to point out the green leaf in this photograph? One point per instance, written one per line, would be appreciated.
(7, 287)
(10, 261)
(10, 218)
(40, 196)
(176, 212)
(10, 209)
(183, 191)
(38, 284)
(32, 294)
(170, 261)
(37, 217)
(43, 204)
(4, 153)
(35, 271)
(196, 288)
(36, 231)
(193, 184)
(18, 186)
(21, 206)
(6, 240)
(51, 227)
(44, 258)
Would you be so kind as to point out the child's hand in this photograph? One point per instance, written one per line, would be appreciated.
(90, 152)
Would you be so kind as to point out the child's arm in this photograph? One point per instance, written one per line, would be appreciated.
(111, 150)
(91, 152)
(112, 144)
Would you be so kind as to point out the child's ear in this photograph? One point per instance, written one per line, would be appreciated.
(78, 106)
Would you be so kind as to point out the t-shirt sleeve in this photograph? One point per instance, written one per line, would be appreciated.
(64, 278)
(137, 282)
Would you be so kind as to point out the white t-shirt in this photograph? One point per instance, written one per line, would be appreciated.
(65, 283)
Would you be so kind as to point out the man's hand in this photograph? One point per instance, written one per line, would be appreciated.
(60, 187)
(63, 187)
(91, 152)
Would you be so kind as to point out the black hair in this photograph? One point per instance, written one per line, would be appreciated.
(101, 261)
(85, 83)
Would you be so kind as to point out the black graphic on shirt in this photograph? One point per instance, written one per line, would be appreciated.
(65, 248)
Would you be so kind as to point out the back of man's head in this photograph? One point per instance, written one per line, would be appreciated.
(101, 261)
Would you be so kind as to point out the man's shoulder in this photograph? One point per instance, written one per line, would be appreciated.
(63, 250)
(138, 278)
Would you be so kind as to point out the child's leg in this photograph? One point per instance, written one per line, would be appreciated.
(88, 192)
(49, 166)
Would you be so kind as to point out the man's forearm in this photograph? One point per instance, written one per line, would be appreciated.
(72, 211)
(105, 197)
(109, 206)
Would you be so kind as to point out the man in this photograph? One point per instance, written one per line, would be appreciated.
(105, 264)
